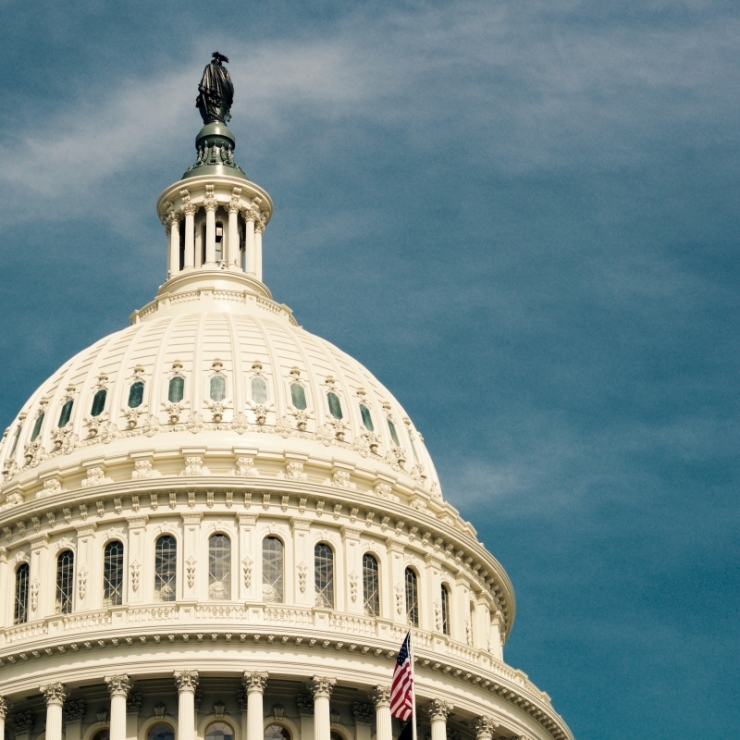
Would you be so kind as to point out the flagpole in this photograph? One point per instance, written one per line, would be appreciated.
(413, 687)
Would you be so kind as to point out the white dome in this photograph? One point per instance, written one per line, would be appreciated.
(237, 336)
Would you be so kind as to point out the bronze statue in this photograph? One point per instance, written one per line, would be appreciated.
(216, 91)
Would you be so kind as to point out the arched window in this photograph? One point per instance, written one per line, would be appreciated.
(136, 394)
(37, 426)
(324, 575)
(165, 568)
(20, 608)
(412, 597)
(65, 582)
(219, 731)
(219, 567)
(277, 732)
(98, 403)
(65, 414)
(444, 600)
(218, 388)
(367, 419)
(298, 396)
(394, 433)
(102, 734)
(113, 573)
(160, 731)
(335, 406)
(176, 389)
(259, 390)
(370, 585)
(272, 569)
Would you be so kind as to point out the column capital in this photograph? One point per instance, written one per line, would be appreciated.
(321, 687)
(380, 696)
(4, 707)
(438, 709)
(189, 209)
(54, 693)
(210, 204)
(362, 713)
(484, 727)
(254, 682)
(119, 685)
(186, 681)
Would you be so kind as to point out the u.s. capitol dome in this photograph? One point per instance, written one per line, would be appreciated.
(217, 525)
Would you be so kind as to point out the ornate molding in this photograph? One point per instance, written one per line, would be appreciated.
(4, 707)
(438, 709)
(380, 696)
(119, 685)
(484, 727)
(256, 681)
(321, 687)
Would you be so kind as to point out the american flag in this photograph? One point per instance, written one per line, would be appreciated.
(402, 686)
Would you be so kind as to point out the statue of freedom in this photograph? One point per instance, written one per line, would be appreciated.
(216, 91)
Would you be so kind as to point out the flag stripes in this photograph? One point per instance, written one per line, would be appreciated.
(403, 683)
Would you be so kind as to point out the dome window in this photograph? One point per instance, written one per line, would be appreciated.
(136, 394)
(276, 732)
(37, 426)
(219, 731)
(218, 388)
(394, 433)
(15, 440)
(324, 575)
(259, 390)
(367, 419)
(65, 414)
(335, 406)
(412, 597)
(20, 607)
(219, 241)
(272, 570)
(298, 396)
(219, 567)
(113, 574)
(176, 389)
(165, 568)
(444, 600)
(370, 585)
(65, 582)
(98, 403)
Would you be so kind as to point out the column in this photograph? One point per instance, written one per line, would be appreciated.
(4, 709)
(54, 695)
(321, 688)
(484, 727)
(118, 687)
(259, 227)
(438, 710)
(249, 218)
(232, 257)
(381, 697)
(187, 682)
(189, 211)
(363, 715)
(210, 206)
(174, 245)
(254, 685)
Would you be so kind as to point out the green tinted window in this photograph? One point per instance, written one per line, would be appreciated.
(136, 394)
(176, 389)
(98, 403)
(218, 388)
(66, 413)
(298, 396)
(394, 434)
(367, 420)
(259, 390)
(37, 427)
(335, 407)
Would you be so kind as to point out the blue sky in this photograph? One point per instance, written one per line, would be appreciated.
(521, 216)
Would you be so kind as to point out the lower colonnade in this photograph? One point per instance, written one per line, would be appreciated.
(119, 715)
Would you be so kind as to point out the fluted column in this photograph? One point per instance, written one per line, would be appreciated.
(381, 697)
(189, 211)
(187, 683)
(259, 227)
(118, 687)
(321, 688)
(54, 695)
(232, 243)
(249, 219)
(484, 727)
(174, 245)
(254, 686)
(4, 709)
(210, 205)
(438, 710)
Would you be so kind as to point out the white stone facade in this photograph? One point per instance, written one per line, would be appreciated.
(196, 514)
